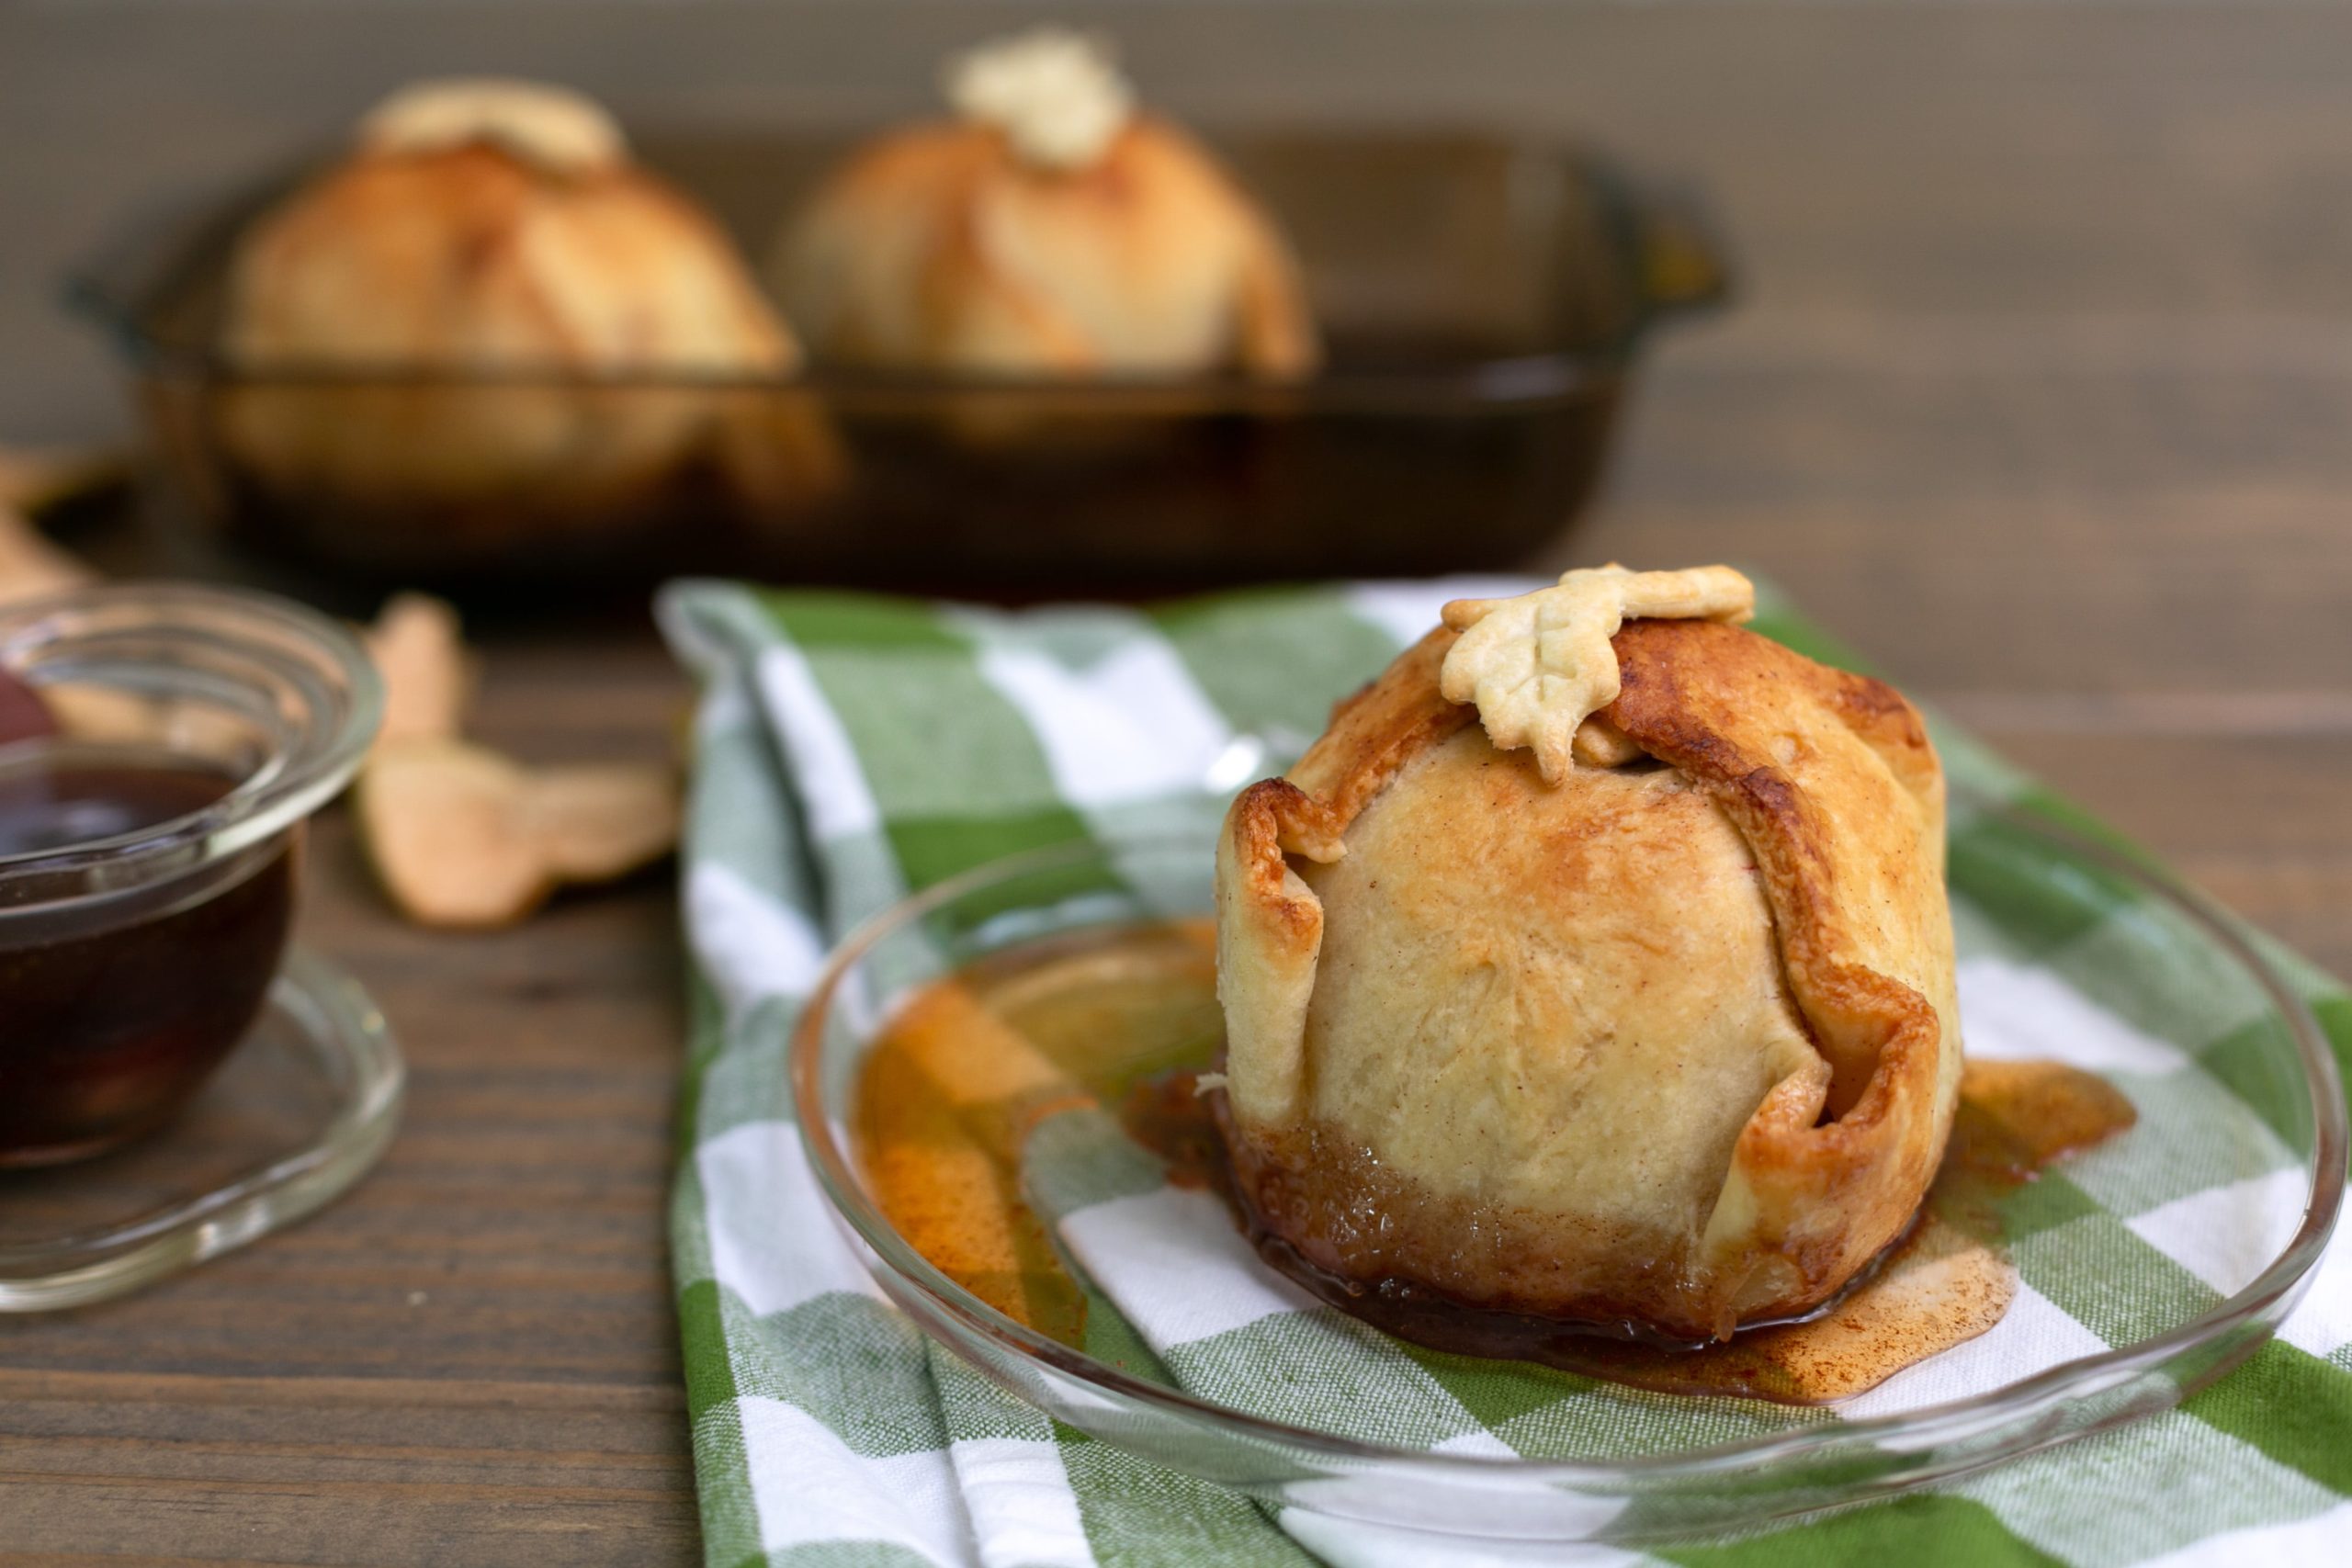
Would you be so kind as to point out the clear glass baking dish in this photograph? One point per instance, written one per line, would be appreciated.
(1483, 299)
(1788, 1467)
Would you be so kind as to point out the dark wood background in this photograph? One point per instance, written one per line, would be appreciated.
(2040, 392)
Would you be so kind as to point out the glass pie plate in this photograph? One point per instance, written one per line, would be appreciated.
(2067, 947)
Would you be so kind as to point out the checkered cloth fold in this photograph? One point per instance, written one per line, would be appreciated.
(850, 749)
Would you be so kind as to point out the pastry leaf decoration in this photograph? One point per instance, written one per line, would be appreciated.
(1540, 665)
(555, 128)
(1056, 95)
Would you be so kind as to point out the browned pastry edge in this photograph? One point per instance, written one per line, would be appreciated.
(1706, 698)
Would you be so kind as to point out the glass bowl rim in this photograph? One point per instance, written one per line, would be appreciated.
(327, 749)
(2325, 1172)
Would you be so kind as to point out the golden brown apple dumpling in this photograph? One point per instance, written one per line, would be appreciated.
(1595, 964)
(490, 303)
(1049, 229)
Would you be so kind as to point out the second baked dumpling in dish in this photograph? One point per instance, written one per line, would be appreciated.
(1050, 229)
(1596, 971)
(510, 310)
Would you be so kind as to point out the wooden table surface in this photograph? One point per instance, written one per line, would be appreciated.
(2040, 392)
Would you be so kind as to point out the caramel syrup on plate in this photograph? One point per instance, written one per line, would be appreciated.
(1127, 1019)
(113, 1014)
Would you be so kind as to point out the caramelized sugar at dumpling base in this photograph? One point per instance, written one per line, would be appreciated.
(1544, 1014)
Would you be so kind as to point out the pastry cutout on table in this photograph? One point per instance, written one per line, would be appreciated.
(462, 836)
(428, 674)
(32, 564)
(35, 479)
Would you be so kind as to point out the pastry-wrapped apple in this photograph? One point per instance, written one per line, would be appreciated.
(1051, 230)
(1595, 966)
(483, 244)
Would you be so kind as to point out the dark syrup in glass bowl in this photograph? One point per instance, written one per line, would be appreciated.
(115, 1006)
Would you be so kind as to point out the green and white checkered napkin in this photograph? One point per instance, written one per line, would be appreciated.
(850, 749)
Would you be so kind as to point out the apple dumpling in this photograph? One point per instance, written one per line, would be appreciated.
(1050, 229)
(1595, 964)
(490, 300)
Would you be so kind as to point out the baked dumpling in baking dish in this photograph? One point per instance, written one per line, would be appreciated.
(505, 304)
(1051, 228)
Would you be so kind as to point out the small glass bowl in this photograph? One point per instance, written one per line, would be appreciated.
(133, 960)
(1790, 1466)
